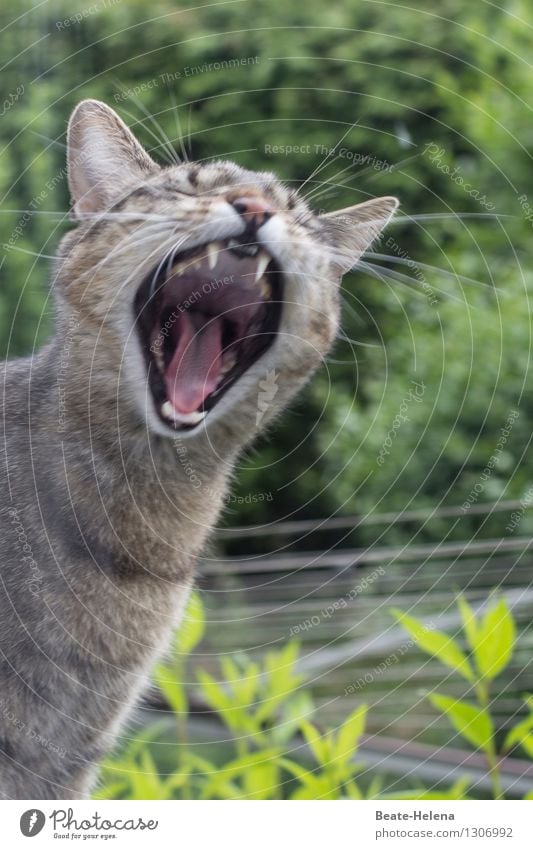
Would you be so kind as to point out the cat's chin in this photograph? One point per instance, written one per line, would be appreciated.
(204, 317)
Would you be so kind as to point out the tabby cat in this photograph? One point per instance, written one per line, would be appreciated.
(191, 303)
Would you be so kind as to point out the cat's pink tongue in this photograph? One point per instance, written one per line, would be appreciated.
(193, 372)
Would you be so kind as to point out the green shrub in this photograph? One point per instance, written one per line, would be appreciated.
(265, 710)
(490, 640)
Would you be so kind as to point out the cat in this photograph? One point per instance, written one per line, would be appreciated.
(180, 295)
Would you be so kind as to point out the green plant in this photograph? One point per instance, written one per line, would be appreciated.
(490, 640)
(264, 708)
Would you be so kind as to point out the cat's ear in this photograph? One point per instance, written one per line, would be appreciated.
(103, 158)
(349, 232)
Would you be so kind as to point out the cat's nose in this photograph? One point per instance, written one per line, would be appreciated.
(255, 209)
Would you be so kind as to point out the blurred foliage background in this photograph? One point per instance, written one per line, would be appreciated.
(379, 81)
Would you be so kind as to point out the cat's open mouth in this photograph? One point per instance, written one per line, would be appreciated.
(204, 319)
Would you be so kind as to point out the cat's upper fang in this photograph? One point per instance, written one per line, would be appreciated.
(208, 258)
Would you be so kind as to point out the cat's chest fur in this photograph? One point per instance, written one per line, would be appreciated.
(114, 529)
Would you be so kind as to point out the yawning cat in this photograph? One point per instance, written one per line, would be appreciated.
(182, 293)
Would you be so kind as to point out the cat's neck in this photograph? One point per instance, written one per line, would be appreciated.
(134, 491)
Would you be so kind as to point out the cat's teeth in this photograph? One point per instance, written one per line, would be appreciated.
(182, 266)
(169, 412)
(228, 364)
(212, 254)
(266, 290)
(262, 261)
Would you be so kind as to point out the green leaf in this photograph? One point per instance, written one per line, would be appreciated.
(279, 681)
(319, 745)
(495, 640)
(213, 692)
(145, 780)
(296, 709)
(527, 744)
(111, 790)
(244, 684)
(230, 670)
(528, 698)
(470, 624)
(352, 790)
(301, 773)
(173, 690)
(317, 786)
(436, 643)
(279, 671)
(348, 735)
(175, 781)
(374, 788)
(233, 715)
(261, 781)
(195, 762)
(222, 781)
(472, 722)
(192, 627)
(517, 734)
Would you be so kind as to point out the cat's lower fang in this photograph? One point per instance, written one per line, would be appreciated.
(212, 254)
(168, 412)
(227, 364)
(266, 290)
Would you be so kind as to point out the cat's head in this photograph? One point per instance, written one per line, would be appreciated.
(212, 290)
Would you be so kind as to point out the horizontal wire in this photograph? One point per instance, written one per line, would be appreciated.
(342, 522)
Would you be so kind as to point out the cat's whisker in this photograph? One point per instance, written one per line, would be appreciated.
(157, 248)
(326, 189)
(384, 274)
(168, 145)
(161, 146)
(184, 154)
(8, 248)
(130, 277)
(156, 233)
(322, 164)
(348, 307)
(412, 263)
(163, 140)
(446, 216)
(50, 142)
(130, 216)
(169, 259)
(322, 185)
(319, 183)
(330, 184)
(332, 361)
(100, 215)
(395, 167)
(189, 130)
(55, 212)
(345, 338)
